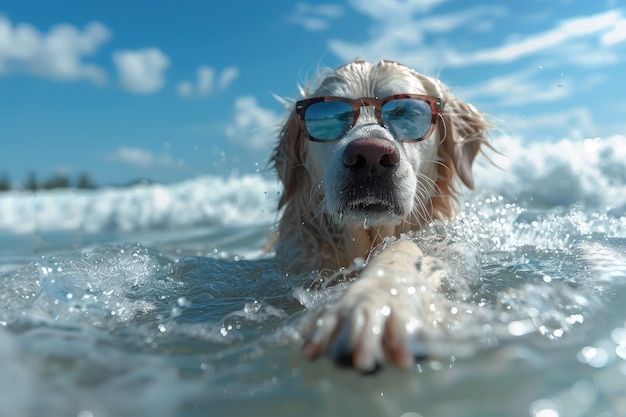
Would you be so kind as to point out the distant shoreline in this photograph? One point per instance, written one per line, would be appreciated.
(59, 181)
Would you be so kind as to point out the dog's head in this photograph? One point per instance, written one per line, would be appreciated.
(377, 145)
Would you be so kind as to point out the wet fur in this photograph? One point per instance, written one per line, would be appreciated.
(379, 318)
(309, 237)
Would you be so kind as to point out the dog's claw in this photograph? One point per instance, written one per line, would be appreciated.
(346, 359)
(355, 334)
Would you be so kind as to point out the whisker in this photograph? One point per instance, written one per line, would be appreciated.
(427, 189)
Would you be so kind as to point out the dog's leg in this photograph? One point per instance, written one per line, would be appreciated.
(382, 314)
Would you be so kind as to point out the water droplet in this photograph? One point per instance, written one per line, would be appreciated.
(410, 413)
(162, 328)
(520, 327)
(385, 311)
(618, 336)
(252, 307)
(621, 351)
(593, 356)
(544, 408)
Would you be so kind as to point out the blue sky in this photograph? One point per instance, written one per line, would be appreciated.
(171, 90)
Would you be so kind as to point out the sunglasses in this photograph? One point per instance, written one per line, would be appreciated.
(409, 117)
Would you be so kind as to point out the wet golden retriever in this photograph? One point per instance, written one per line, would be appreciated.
(375, 151)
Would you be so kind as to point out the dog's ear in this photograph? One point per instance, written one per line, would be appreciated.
(288, 158)
(465, 131)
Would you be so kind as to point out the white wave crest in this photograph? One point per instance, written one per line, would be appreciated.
(204, 201)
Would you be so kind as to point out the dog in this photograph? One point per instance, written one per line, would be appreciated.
(375, 151)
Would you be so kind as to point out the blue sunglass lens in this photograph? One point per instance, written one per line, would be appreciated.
(407, 118)
(328, 120)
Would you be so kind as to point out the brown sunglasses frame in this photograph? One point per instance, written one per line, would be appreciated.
(436, 105)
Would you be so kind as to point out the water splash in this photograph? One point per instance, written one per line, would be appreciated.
(141, 330)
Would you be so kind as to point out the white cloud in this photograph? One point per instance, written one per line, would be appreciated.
(141, 158)
(315, 17)
(565, 31)
(616, 35)
(394, 9)
(253, 126)
(141, 71)
(58, 54)
(227, 76)
(577, 122)
(207, 82)
(184, 89)
(519, 88)
(401, 29)
(206, 77)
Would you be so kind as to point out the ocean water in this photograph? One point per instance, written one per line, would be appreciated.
(158, 300)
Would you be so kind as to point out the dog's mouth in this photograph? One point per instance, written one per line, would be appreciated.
(371, 207)
(372, 211)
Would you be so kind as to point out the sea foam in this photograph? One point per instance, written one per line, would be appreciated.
(205, 201)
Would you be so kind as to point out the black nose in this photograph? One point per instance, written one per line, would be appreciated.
(371, 156)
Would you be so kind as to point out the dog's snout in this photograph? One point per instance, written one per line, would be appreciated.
(371, 155)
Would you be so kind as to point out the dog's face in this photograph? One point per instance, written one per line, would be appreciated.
(368, 176)
(365, 175)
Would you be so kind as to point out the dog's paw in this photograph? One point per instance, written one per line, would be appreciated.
(366, 329)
